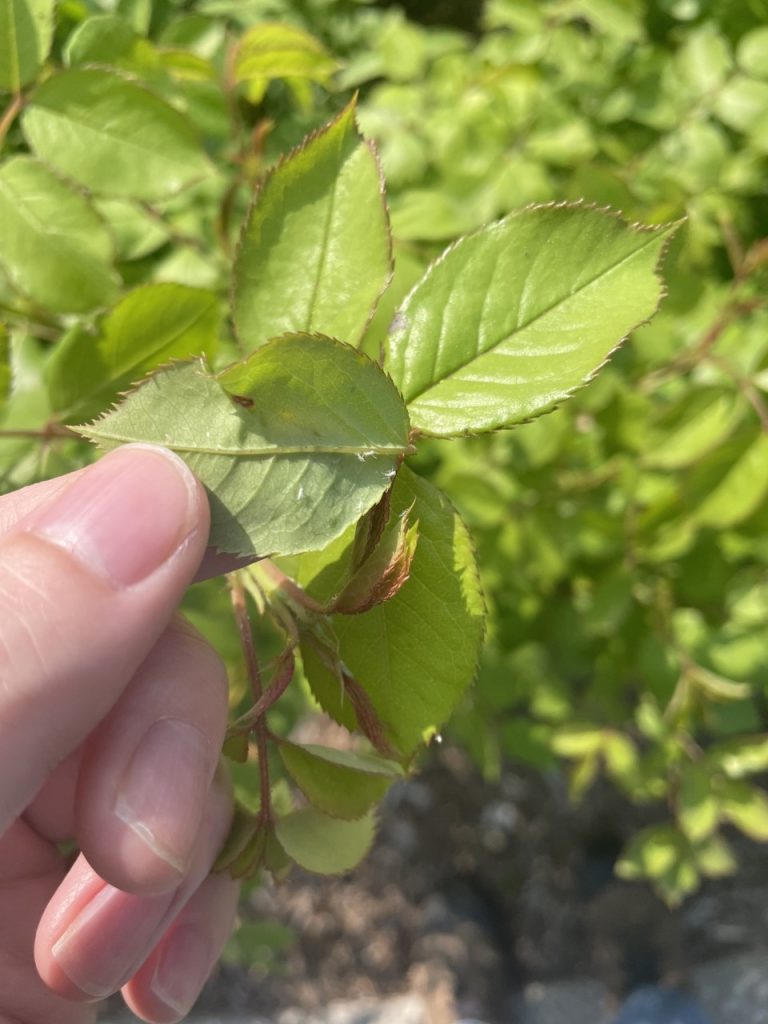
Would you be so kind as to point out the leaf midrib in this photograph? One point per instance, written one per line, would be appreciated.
(654, 236)
(261, 451)
(325, 240)
(15, 77)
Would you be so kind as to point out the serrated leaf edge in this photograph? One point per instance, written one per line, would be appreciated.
(671, 227)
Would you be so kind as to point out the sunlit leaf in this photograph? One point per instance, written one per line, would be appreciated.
(271, 50)
(740, 757)
(746, 807)
(112, 135)
(697, 807)
(150, 326)
(752, 52)
(512, 320)
(315, 251)
(741, 490)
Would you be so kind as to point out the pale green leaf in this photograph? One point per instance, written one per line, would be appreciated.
(740, 757)
(339, 782)
(323, 844)
(741, 491)
(746, 807)
(136, 231)
(315, 250)
(53, 245)
(5, 366)
(439, 608)
(150, 326)
(704, 60)
(709, 417)
(715, 859)
(113, 136)
(577, 741)
(512, 320)
(743, 103)
(620, 757)
(752, 52)
(102, 39)
(651, 853)
(26, 31)
(271, 50)
(717, 687)
(294, 444)
(698, 812)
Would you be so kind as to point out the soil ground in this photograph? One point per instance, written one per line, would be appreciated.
(487, 901)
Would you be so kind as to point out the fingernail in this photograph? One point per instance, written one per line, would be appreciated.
(124, 516)
(109, 940)
(162, 794)
(182, 969)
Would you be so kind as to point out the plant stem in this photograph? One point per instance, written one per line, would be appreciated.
(9, 116)
(243, 623)
(47, 433)
(268, 571)
(282, 680)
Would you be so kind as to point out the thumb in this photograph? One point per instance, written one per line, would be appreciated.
(88, 582)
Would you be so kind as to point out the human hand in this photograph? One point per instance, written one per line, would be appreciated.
(112, 715)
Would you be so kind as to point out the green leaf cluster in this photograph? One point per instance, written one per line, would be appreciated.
(197, 249)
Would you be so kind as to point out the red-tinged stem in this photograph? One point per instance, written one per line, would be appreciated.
(243, 622)
(281, 682)
(368, 720)
(290, 587)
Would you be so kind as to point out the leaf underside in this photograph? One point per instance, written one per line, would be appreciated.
(323, 844)
(293, 444)
(340, 783)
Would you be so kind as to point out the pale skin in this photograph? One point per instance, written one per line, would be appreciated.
(112, 715)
